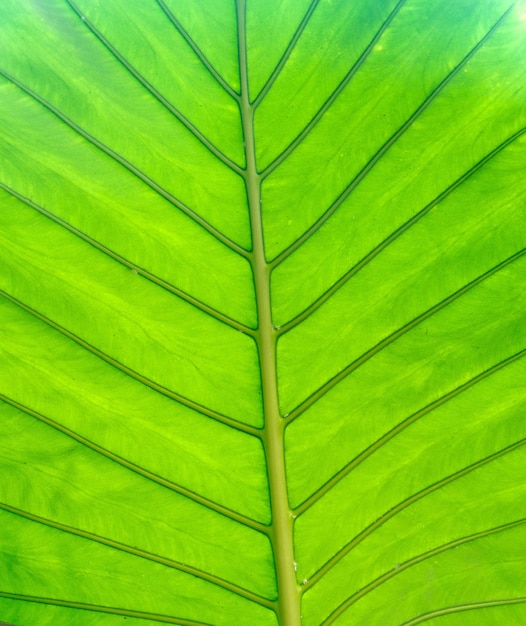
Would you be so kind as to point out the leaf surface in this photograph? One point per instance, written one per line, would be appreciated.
(263, 321)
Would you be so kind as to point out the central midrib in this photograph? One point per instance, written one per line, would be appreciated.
(281, 533)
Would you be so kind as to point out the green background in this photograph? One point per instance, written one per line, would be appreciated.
(248, 244)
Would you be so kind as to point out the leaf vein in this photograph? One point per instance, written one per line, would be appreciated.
(405, 504)
(464, 607)
(165, 619)
(414, 561)
(285, 56)
(330, 100)
(198, 52)
(198, 304)
(143, 554)
(137, 469)
(395, 235)
(384, 439)
(137, 172)
(324, 389)
(157, 94)
(228, 421)
(383, 149)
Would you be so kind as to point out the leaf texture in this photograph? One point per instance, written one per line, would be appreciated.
(263, 320)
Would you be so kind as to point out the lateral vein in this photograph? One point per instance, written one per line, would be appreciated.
(483, 604)
(198, 304)
(336, 558)
(157, 94)
(143, 554)
(383, 149)
(130, 167)
(381, 441)
(396, 234)
(198, 52)
(285, 56)
(141, 471)
(97, 608)
(414, 561)
(228, 421)
(324, 389)
(330, 100)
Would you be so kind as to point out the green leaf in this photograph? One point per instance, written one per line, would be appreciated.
(263, 319)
